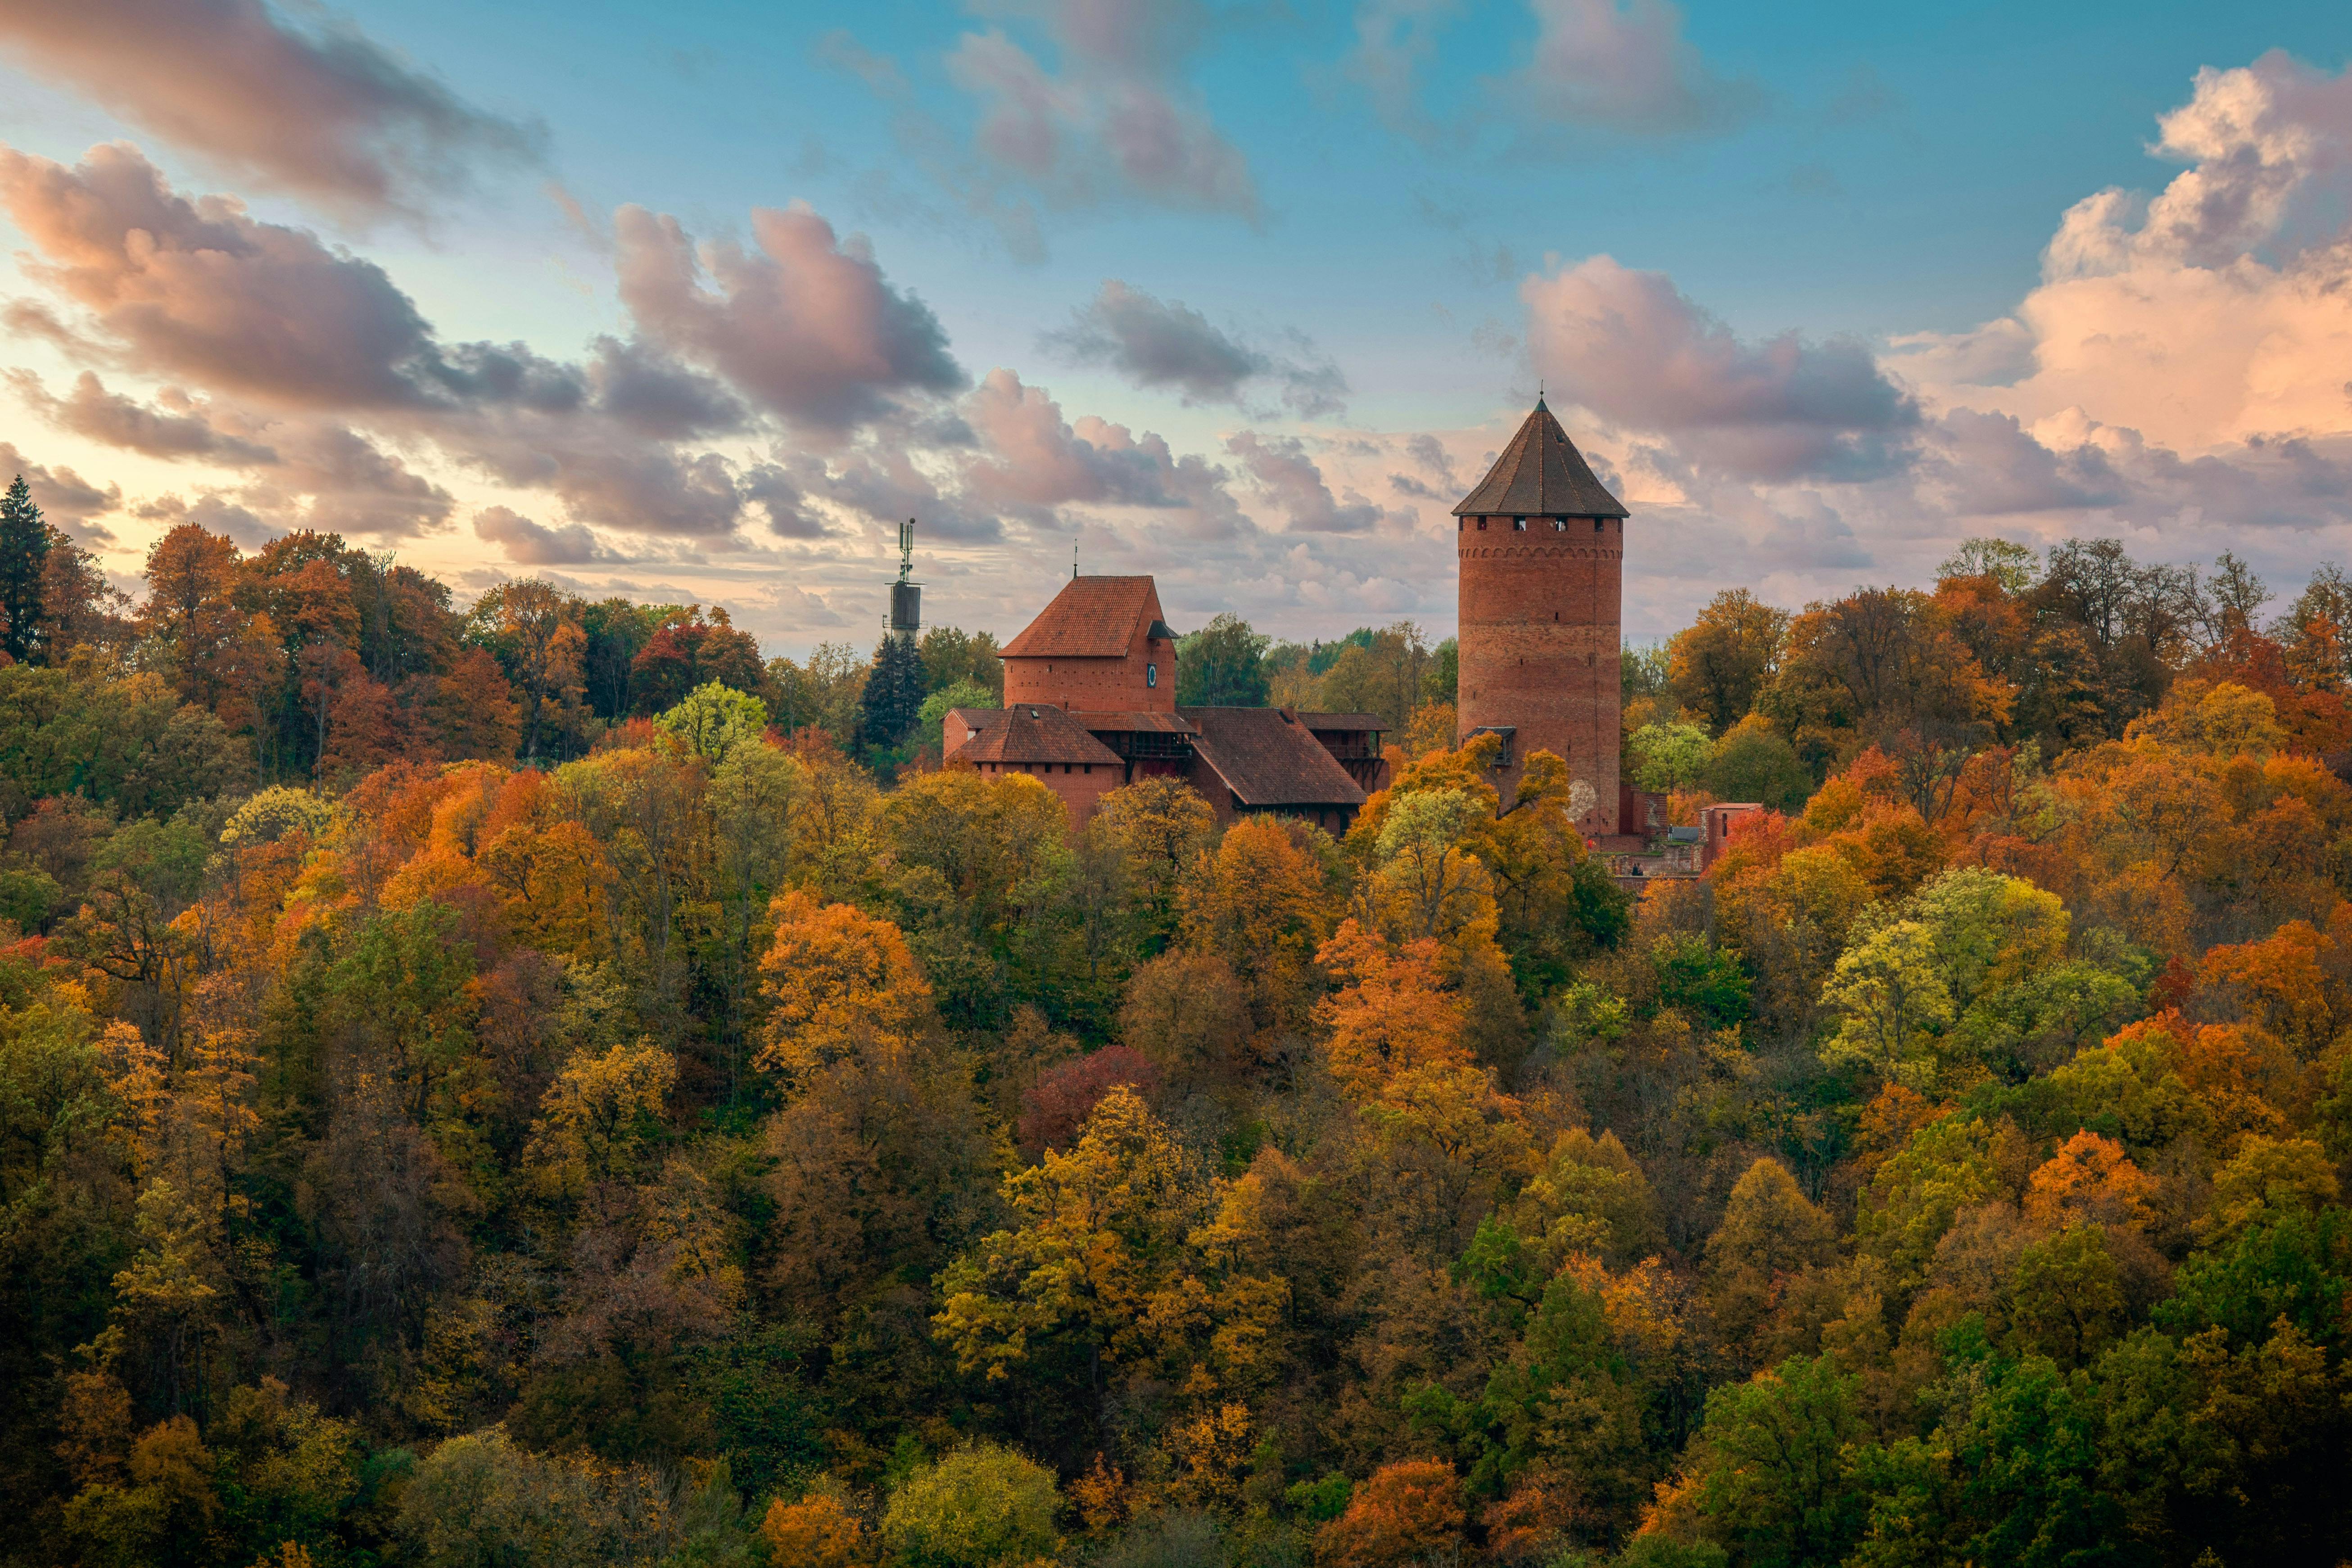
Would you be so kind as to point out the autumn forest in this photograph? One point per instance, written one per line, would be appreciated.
(536, 1082)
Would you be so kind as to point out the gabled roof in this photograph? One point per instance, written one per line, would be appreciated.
(1091, 617)
(1269, 758)
(1540, 472)
(1029, 732)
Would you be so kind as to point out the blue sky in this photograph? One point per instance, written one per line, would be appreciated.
(1826, 343)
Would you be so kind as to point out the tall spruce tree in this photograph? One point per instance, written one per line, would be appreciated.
(23, 550)
(894, 694)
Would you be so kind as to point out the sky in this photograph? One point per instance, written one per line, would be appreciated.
(695, 303)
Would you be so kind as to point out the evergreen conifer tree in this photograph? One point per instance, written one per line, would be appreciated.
(24, 549)
(894, 694)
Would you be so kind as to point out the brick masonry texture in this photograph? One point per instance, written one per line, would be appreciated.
(1541, 615)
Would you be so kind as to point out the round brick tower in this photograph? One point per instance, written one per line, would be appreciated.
(1541, 546)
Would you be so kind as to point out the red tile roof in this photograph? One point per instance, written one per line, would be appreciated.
(1540, 472)
(1028, 733)
(1091, 617)
(1268, 758)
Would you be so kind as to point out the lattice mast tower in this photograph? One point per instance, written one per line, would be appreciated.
(906, 620)
(1541, 544)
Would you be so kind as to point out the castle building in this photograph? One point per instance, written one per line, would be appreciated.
(1090, 705)
(1540, 544)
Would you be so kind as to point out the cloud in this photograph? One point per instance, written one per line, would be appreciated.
(65, 498)
(1395, 41)
(180, 429)
(2215, 312)
(213, 512)
(197, 289)
(1290, 479)
(315, 363)
(804, 325)
(1630, 347)
(1159, 343)
(1116, 119)
(323, 111)
(528, 543)
(1030, 456)
(1624, 68)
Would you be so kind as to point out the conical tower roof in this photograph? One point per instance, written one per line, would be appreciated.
(1540, 473)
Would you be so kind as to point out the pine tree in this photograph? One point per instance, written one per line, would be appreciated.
(894, 694)
(24, 549)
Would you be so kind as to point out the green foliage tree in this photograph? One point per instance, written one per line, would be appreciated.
(893, 698)
(978, 1507)
(932, 718)
(1757, 764)
(1774, 1473)
(1666, 757)
(1222, 665)
(714, 721)
(23, 555)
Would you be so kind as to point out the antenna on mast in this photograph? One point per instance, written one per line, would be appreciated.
(1074, 561)
(905, 593)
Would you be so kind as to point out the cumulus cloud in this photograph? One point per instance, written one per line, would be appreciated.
(321, 111)
(528, 543)
(180, 428)
(1630, 347)
(1158, 343)
(1117, 119)
(1291, 480)
(65, 498)
(197, 289)
(2213, 314)
(803, 324)
(1624, 68)
(314, 364)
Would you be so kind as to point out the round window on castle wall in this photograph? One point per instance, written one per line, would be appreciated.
(1150, 675)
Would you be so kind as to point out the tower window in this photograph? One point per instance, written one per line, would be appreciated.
(1559, 525)
(1518, 525)
(1598, 524)
(1150, 675)
(1482, 525)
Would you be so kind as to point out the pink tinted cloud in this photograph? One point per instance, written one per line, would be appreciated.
(803, 324)
(199, 289)
(1634, 349)
(1624, 66)
(1118, 118)
(320, 111)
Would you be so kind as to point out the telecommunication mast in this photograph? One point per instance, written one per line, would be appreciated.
(905, 593)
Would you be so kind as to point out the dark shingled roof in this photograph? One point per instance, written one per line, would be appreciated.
(1268, 758)
(1091, 617)
(1319, 722)
(1029, 732)
(1110, 724)
(1540, 473)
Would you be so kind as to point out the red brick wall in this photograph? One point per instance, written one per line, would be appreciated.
(1080, 791)
(1540, 638)
(1098, 684)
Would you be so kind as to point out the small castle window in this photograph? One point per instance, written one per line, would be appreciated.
(1150, 675)
(1597, 525)
(1559, 525)
(1518, 525)
(1482, 525)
